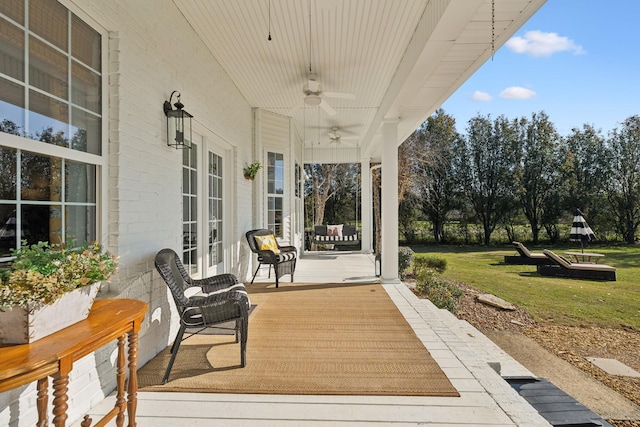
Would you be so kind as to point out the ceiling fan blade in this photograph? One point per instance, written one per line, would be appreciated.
(342, 95)
(327, 108)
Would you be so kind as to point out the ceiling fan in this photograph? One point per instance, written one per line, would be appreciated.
(314, 96)
(336, 138)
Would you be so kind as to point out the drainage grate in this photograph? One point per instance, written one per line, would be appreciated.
(556, 406)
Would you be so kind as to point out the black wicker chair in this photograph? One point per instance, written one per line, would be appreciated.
(282, 258)
(208, 303)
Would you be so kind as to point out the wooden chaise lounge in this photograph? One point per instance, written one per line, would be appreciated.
(564, 268)
(526, 257)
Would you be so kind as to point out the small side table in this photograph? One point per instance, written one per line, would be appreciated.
(54, 355)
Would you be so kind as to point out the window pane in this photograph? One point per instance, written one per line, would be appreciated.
(48, 69)
(11, 107)
(42, 223)
(14, 9)
(85, 88)
(8, 159)
(85, 43)
(8, 226)
(80, 182)
(11, 50)
(48, 119)
(41, 177)
(49, 20)
(86, 131)
(80, 223)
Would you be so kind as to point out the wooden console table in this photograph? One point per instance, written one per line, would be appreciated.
(54, 355)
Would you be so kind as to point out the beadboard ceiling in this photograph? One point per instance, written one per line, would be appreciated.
(397, 59)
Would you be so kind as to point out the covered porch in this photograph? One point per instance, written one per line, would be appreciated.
(462, 352)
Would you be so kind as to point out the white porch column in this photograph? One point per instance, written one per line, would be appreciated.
(366, 202)
(389, 202)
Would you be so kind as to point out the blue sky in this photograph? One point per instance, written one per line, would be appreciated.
(576, 60)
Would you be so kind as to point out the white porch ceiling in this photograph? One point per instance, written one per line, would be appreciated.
(400, 58)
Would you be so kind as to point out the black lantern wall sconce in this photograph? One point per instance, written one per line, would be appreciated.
(179, 134)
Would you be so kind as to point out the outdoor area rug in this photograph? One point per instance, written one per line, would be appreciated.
(334, 339)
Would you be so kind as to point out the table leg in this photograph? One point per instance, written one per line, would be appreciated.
(120, 380)
(42, 401)
(60, 389)
(132, 392)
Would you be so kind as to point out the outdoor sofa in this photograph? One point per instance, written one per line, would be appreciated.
(564, 268)
(342, 236)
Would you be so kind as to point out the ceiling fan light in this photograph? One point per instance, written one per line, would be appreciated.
(312, 100)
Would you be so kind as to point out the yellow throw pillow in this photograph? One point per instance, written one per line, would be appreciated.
(267, 243)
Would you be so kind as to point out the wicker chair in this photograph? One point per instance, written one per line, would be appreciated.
(282, 258)
(203, 303)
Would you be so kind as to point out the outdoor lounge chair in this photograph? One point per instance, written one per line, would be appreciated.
(204, 303)
(282, 258)
(526, 257)
(564, 268)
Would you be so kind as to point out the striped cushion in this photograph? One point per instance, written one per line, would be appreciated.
(329, 239)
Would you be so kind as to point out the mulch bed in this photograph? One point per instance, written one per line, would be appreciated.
(571, 343)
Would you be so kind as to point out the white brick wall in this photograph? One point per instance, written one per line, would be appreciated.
(152, 52)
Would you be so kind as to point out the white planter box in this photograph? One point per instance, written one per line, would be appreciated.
(20, 326)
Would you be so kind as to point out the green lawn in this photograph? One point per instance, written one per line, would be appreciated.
(561, 300)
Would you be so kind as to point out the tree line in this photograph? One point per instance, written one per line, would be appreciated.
(508, 172)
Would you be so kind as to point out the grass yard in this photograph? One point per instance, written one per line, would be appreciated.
(562, 301)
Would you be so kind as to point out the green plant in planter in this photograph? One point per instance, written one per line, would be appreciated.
(41, 273)
(251, 170)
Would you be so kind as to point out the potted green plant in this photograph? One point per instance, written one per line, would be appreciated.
(49, 287)
(251, 170)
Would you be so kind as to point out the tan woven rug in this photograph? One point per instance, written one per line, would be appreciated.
(338, 339)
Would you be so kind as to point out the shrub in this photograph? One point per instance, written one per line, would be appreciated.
(405, 258)
(441, 293)
(429, 262)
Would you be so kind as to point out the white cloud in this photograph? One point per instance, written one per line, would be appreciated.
(538, 43)
(517, 92)
(481, 96)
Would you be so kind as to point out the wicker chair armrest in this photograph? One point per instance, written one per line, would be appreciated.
(203, 301)
(268, 256)
(214, 283)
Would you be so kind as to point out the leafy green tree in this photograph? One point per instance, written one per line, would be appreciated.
(486, 169)
(584, 171)
(539, 175)
(433, 169)
(623, 192)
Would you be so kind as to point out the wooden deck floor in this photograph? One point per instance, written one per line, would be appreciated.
(465, 355)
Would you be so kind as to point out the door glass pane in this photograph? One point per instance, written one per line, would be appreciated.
(214, 180)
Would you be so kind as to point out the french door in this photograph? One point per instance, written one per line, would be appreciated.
(203, 205)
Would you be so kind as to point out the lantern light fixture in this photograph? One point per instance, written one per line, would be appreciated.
(179, 133)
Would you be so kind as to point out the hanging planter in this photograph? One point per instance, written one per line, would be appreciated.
(250, 171)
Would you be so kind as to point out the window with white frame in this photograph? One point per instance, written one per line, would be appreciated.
(51, 123)
(275, 192)
(190, 208)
